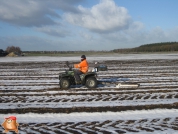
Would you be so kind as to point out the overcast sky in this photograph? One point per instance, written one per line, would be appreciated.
(67, 25)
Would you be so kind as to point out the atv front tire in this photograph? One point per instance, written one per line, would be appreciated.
(91, 82)
(64, 83)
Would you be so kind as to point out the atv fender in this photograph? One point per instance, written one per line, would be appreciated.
(89, 74)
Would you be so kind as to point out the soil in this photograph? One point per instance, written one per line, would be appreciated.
(31, 87)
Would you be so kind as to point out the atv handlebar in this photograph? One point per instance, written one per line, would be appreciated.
(67, 63)
(70, 67)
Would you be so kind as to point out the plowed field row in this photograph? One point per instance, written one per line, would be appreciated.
(155, 125)
(32, 87)
(86, 97)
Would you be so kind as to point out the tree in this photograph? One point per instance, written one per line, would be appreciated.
(14, 49)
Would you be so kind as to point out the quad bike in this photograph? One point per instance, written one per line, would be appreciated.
(66, 79)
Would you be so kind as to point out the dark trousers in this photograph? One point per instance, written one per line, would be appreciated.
(77, 74)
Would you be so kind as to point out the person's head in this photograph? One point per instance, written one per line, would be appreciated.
(83, 57)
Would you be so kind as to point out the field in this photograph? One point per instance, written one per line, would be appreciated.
(29, 90)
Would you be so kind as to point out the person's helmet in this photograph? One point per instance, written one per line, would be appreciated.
(83, 57)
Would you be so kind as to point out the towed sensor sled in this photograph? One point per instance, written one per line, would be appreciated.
(89, 79)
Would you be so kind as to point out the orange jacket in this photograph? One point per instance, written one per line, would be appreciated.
(83, 66)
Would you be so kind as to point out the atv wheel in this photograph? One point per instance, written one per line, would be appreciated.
(91, 82)
(64, 83)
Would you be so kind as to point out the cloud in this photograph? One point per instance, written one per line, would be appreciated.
(133, 38)
(86, 36)
(159, 35)
(54, 31)
(32, 43)
(101, 18)
(36, 13)
(104, 26)
(91, 41)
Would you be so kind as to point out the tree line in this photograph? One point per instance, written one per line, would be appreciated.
(154, 47)
(10, 49)
(14, 49)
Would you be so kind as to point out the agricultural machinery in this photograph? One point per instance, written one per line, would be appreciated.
(89, 79)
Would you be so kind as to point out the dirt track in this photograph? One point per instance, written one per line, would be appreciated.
(33, 87)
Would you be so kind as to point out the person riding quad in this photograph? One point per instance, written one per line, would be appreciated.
(82, 68)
